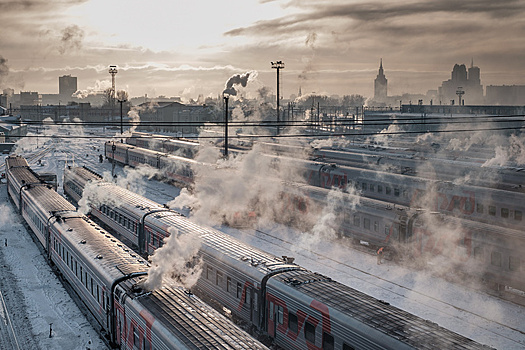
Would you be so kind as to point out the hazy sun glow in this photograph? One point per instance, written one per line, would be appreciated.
(169, 25)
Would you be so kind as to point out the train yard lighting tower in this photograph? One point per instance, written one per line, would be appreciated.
(278, 65)
(113, 71)
(460, 92)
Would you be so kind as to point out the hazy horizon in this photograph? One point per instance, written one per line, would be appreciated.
(186, 49)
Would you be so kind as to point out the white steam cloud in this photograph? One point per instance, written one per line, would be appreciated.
(176, 259)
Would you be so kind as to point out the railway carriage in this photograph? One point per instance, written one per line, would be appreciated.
(297, 308)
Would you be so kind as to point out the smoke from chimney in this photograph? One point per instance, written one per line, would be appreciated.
(238, 79)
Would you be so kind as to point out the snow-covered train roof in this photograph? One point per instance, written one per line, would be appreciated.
(97, 245)
(203, 327)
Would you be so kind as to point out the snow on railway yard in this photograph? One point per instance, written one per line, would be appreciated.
(467, 311)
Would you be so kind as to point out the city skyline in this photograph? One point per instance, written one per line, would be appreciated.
(173, 49)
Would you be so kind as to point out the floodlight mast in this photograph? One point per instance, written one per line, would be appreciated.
(278, 65)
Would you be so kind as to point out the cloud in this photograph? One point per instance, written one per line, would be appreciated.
(72, 37)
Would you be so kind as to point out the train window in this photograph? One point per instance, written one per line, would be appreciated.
(239, 290)
(492, 210)
(405, 194)
(92, 292)
(514, 263)
(76, 268)
(271, 310)
(504, 212)
(479, 208)
(98, 295)
(309, 332)
(347, 347)
(366, 223)
(292, 323)
(328, 341)
(518, 215)
(372, 188)
(379, 189)
(153, 239)
(136, 339)
(248, 299)
(208, 272)
(468, 206)
(388, 190)
(81, 279)
(146, 344)
(376, 226)
(478, 253)
(280, 314)
(218, 278)
(363, 186)
(357, 220)
(495, 258)
(396, 192)
(228, 284)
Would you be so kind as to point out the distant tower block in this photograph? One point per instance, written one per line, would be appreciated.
(380, 84)
(113, 71)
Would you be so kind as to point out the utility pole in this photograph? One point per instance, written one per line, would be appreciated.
(278, 65)
(226, 98)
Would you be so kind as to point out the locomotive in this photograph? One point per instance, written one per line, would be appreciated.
(108, 277)
(295, 307)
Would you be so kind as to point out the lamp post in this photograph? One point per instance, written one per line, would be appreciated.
(278, 65)
(460, 92)
(121, 126)
(226, 98)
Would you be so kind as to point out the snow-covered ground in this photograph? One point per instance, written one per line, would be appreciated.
(467, 311)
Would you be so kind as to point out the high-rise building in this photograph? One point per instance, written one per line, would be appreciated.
(464, 84)
(67, 86)
(380, 84)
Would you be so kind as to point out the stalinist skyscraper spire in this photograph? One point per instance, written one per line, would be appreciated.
(380, 84)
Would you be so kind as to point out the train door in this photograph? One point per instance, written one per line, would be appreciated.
(271, 320)
(249, 302)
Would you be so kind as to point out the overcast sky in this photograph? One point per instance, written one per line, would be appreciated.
(175, 47)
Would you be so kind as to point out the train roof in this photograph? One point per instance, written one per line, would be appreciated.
(101, 248)
(374, 313)
(201, 326)
(49, 200)
(16, 161)
(249, 259)
(254, 259)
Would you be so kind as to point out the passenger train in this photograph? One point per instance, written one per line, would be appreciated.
(296, 308)
(487, 205)
(406, 161)
(108, 277)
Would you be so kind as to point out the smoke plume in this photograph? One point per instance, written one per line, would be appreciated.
(238, 79)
